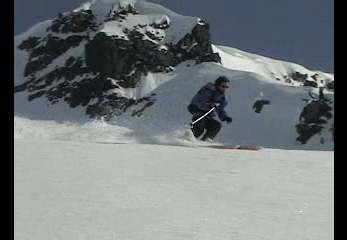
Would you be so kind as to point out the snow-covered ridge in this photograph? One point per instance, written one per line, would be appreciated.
(114, 28)
(180, 25)
(271, 69)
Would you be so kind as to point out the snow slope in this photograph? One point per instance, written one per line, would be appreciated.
(72, 190)
(274, 127)
(270, 69)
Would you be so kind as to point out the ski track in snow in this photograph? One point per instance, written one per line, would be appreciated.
(72, 190)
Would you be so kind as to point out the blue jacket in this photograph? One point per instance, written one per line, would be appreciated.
(205, 99)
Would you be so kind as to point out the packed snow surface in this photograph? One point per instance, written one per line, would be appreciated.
(88, 190)
(97, 181)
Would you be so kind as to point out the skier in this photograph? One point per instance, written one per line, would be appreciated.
(209, 96)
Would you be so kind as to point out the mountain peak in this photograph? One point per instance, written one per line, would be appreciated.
(86, 56)
(102, 8)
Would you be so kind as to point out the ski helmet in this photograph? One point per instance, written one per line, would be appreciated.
(221, 79)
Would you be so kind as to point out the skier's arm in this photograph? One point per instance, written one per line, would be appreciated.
(223, 116)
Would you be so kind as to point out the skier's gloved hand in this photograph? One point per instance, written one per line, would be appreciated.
(228, 120)
(213, 104)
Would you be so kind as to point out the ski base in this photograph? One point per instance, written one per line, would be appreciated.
(236, 147)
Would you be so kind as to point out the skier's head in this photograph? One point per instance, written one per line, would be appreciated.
(221, 83)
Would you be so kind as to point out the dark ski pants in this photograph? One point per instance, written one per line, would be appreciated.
(211, 126)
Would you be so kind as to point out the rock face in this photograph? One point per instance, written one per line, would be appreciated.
(299, 77)
(314, 118)
(96, 64)
(316, 80)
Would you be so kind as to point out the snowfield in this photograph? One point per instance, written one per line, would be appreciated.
(71, 190)
(70, 185)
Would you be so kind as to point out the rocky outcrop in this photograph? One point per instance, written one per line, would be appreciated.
(308, 83)
(96, 64)
(330, 85)
(314, 118)
(75, 22)
(299, 77)
(120, 12)
(197, 46)
(42, 51)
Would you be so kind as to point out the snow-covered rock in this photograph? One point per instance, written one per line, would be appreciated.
(119, 40)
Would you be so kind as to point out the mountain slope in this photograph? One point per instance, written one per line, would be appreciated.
(137, 65)
(285, 72)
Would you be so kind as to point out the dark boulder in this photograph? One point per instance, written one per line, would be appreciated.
(313, 118)
(330, 85)
(299, 77)
(308, 83)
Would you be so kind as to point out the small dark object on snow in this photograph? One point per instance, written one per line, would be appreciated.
(259, 104)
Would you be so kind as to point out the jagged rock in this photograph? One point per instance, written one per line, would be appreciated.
(116, 105)
(128, 9)
(315, 76)
(196, 45)
(213, 57)
(30, 43)
(202, 34)
(313, 118)
(41, 55)
(75, 22)
(288, 80)
(306, 131)
(164, 23)
(299, 77)
(125, 59)
(120, 13)
(308, 83)
(330, 85)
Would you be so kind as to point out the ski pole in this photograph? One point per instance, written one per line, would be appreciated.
(197, 120)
